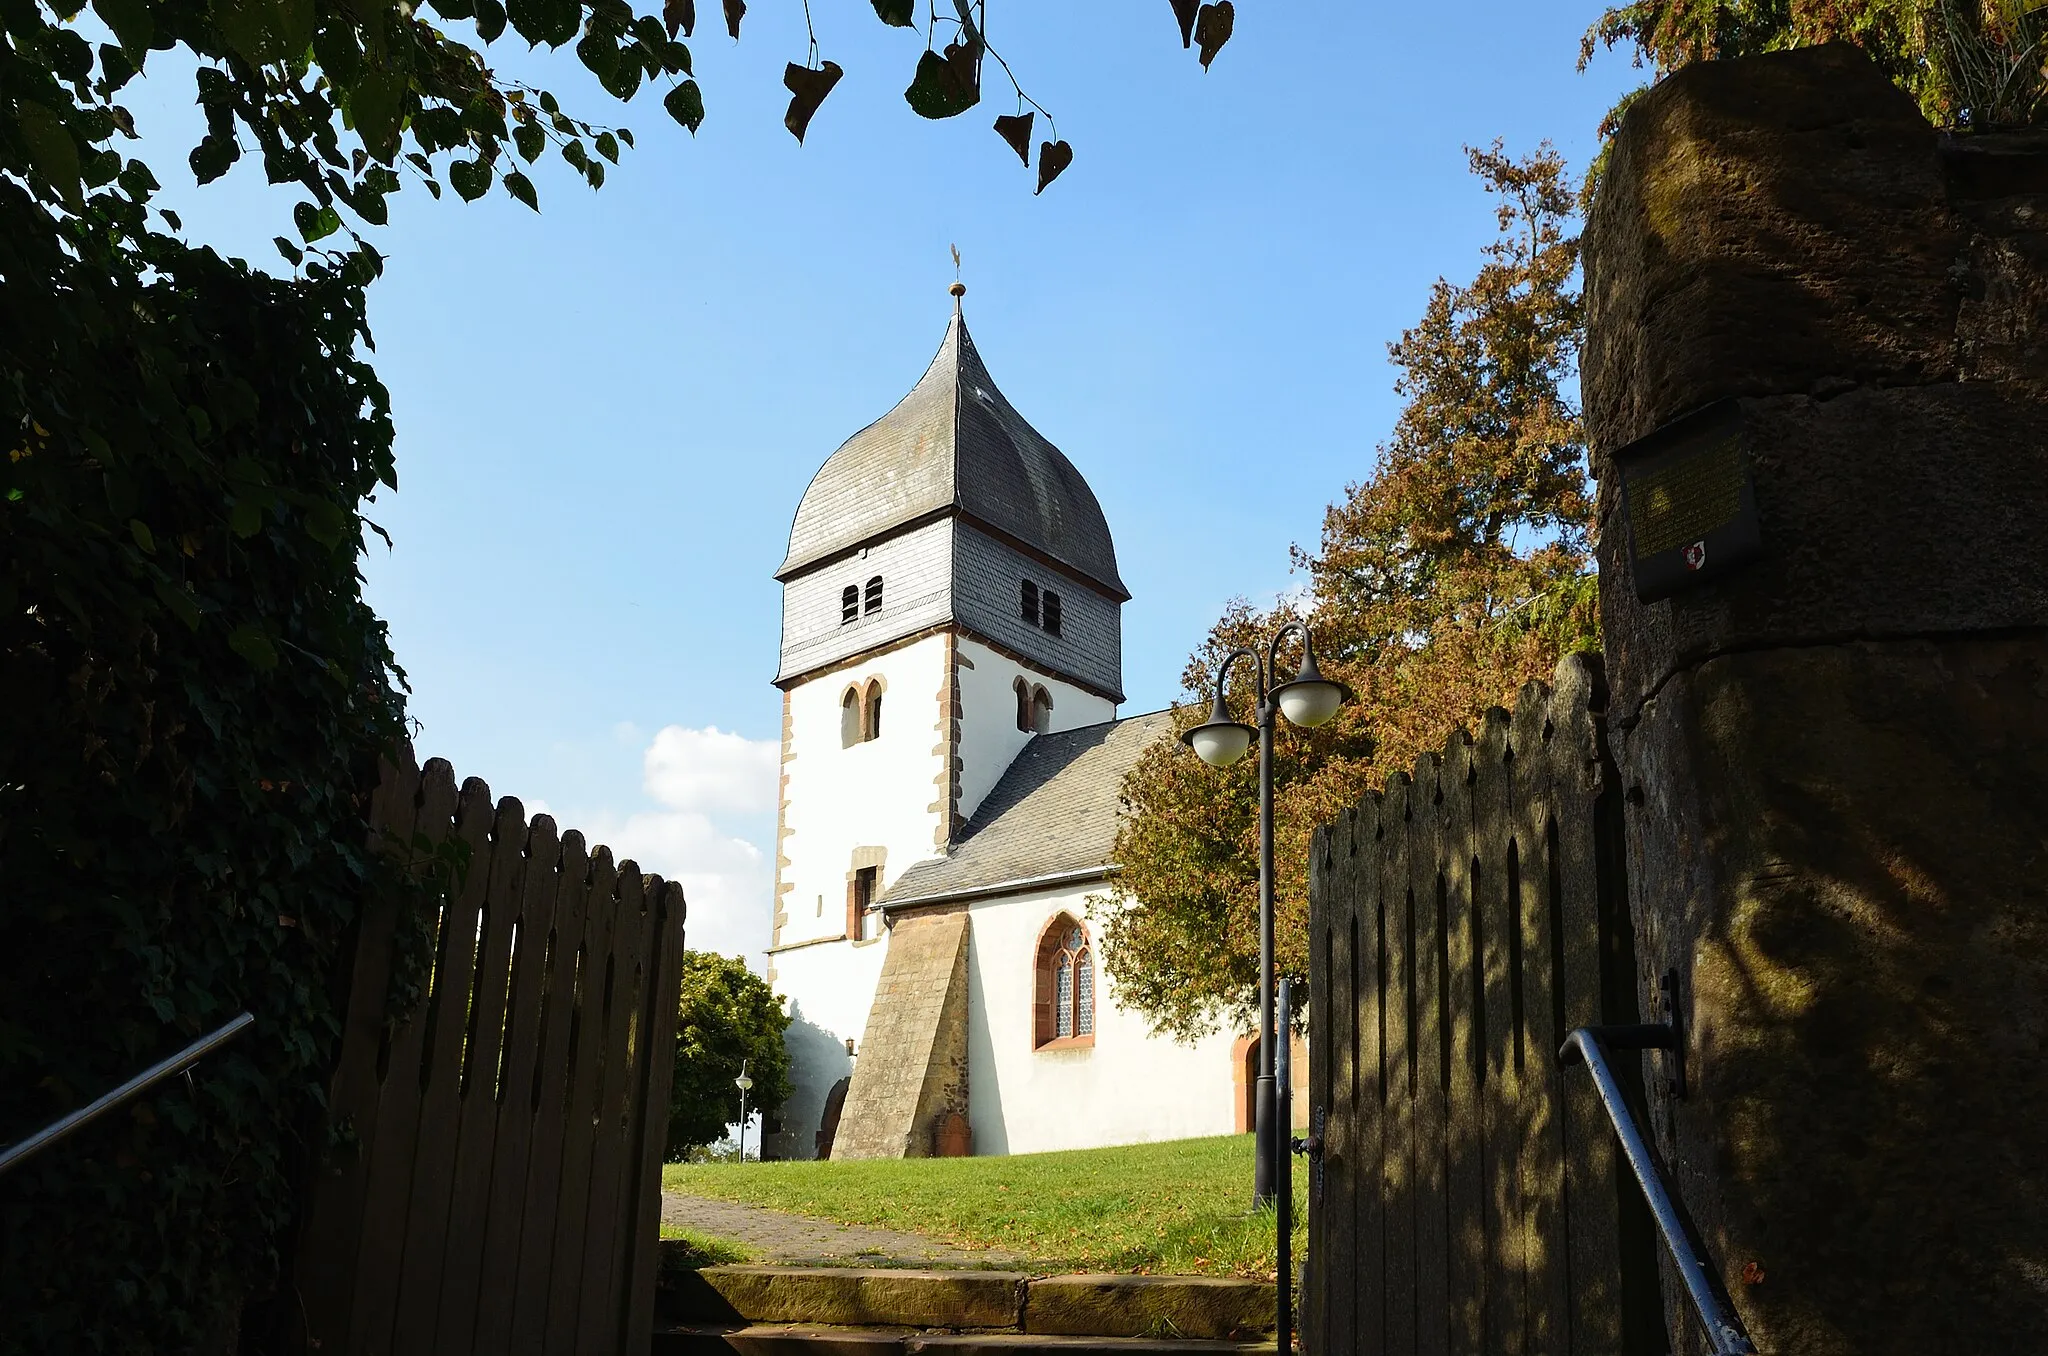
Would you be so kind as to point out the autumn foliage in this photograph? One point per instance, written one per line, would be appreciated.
(1454, 573)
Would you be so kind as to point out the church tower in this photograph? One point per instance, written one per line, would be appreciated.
(950, 592)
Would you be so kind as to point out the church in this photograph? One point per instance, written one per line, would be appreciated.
(951, 762)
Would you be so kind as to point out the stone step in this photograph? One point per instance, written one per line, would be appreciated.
(1201, 1308)
(802, 1339)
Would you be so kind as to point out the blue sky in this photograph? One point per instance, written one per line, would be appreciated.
(607, 412)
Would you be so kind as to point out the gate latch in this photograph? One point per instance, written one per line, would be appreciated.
(1311, 1146)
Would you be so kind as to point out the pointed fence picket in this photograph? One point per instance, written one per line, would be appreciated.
(492, 1181)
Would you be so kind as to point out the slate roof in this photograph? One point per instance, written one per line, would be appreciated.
(1054, 812)
(954, 444)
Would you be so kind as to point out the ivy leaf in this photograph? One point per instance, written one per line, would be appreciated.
(470, 178)
(1053, 159)
(1015, 128)
(1212, 29)
(140, 531)
(807, 89)
(249, 642)
(521, 187)
(490, 20)
(325, 522)
(133, 28)
(315, 223)
(896, 13)
(735, 10)
(685, 103)
(1184, 11)
(608, 146)
(680, 15)
(52, 149)
(946, 86)
(179, 602)
(292, 253)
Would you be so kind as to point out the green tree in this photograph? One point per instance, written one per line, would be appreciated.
(1453, 574)
(728, 1014)
(1984, 56)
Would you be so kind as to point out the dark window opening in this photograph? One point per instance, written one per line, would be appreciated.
(1028, 602)
(849, 603)
(874, 595)
(872, 726)
(1023, 691)
(1050, 614)
(860, 898)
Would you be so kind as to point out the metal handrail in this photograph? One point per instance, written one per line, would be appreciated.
(128, 1091)
(1725, 1333)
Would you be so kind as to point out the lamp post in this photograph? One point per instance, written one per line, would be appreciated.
(743, 1083)
(1307, 700)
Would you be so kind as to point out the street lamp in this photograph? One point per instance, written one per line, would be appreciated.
(743, 1083)
(1307, 700)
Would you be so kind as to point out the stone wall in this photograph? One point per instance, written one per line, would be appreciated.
(911, 1064)
(1834, 758)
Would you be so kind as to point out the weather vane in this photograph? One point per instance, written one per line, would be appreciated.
(958, 289)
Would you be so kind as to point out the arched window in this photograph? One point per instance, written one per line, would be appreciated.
(874, 595)
(849, 603)
(1049, 614)
(1023, 690)
(1041, 710)
(850, 719)
(1028, 602)
(871, 727)
(1065, 1007)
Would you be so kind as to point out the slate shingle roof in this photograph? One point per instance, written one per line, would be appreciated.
(954, 444)
(1053, 812)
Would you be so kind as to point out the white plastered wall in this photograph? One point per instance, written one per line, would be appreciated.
(1129, 1087)
(989, 737)
(873, 795)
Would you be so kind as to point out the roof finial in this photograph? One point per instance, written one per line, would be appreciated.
(958, 289)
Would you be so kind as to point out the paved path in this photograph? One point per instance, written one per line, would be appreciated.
(779, 1237)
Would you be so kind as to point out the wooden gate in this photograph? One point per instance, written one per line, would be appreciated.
(1471, 1198)
(493, 1180)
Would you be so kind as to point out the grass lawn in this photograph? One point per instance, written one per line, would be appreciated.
(1180, 1208)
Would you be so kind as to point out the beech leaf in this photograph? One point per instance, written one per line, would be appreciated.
(1184, 10)
(1212, 29)
(807, 89)
(1053, 159)
(735, 10)
(896, 13)
(685, 103)
(946, 86)
(680, 14)
(1015, 128)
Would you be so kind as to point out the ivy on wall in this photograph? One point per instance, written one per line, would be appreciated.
(193, 697)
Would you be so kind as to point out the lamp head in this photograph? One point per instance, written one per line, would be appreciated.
(1310, 699)
(1219, 741)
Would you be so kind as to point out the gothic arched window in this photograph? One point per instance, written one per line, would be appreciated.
(1041, 710)
(1065, 1009)
(874, 595)
(871, 727)
(850, 718)
(1023, 690)
(849, 603)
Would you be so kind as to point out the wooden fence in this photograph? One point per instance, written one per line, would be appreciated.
(494, 1181)
(1471, 1197)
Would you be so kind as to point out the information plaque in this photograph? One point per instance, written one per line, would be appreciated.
(1689, 501)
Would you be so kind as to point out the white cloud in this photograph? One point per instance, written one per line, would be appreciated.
(726, 880)
(711, 770)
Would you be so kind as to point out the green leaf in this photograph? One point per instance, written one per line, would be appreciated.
(626, 135)
(179, 602)
(246, 517)
(735, 10)
(325, 522)
(52, 150)
(685, 103)
(521, 187)
(1212, 29)
(315, 223)
(248, 641)
(896, 13)
(574, 153)
(490, 20)
(594, 172)
(133, 28)
(376, 105)
(263, 32)
(680, 15)
(945, 86)
(548, 104)
(608, 146)
(140, 531)
(470, 178)
(530, 140)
